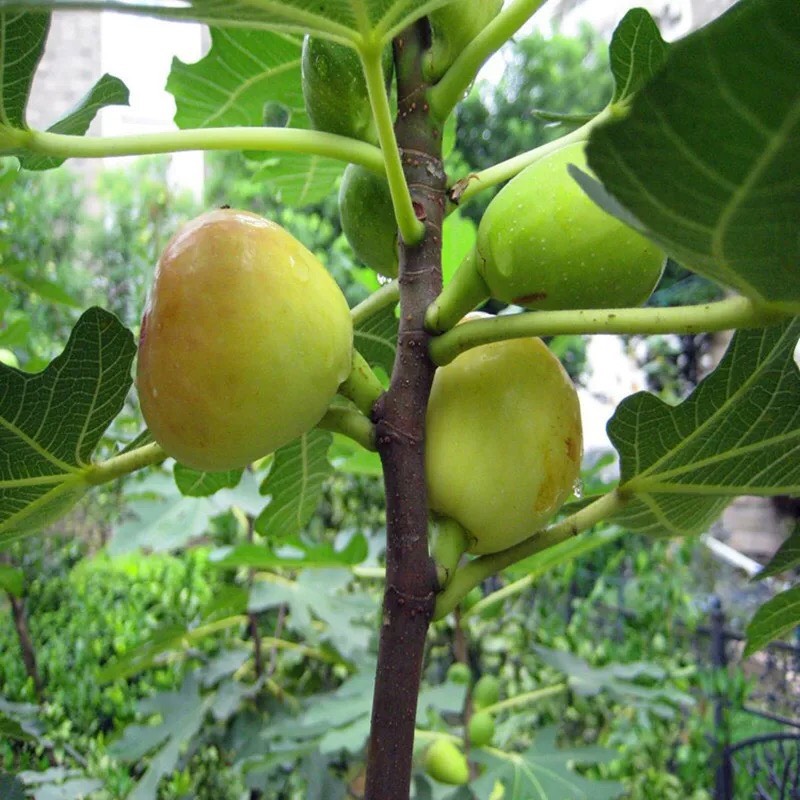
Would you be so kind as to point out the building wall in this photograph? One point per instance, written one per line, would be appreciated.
(69, 68)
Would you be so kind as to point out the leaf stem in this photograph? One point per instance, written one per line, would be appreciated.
(449, 91)
(387, 295)
(293, 140)
(728, 314)
(411, 229)
(527, 698)
(125, 463)
(351, 423)
(499, 173)
(483, 567)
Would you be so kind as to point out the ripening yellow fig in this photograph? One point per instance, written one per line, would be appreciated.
(245, 339)
(503, 441)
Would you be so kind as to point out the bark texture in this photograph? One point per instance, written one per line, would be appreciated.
(399, 417)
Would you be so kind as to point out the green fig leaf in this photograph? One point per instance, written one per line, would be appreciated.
(338, 19)
(294, 485)
(637, 52)
(706, 163)
(544, 771)
(774, 620)
(244, 71)
(787, 557)
(738, 433)
(51, 422)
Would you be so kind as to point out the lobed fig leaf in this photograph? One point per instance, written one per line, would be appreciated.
(245, 340)
(503, 441)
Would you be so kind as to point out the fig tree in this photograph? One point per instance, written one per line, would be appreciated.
(503, 441)
(453, 27)
(445, 763)
(367, 217)
(245, 339)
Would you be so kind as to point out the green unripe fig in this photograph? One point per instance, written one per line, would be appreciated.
(543, 244)
(503, 441)
(486, 692)
(245, 339)
(481, 729)
(367, 217)
(335, 90)
(460, 673)
(445, 763)
(453, 27)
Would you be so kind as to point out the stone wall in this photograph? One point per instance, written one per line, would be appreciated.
(70, 67)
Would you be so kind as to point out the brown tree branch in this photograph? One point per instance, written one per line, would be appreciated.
(24, 636)
(399, 417)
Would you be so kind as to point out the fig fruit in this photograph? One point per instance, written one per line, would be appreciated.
(543, 244)
(335, 90)
(481, 729)
(245, 339)
(367, 217)
(503, 441)
(459, 672)
(453, 27)
(486, 692)
(445, 763)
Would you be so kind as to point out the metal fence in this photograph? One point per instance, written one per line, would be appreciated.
(765, 766)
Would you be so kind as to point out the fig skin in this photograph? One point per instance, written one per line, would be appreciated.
(335, 90)
(543, 244)
(367, 217)
(453, 27)
(445, 763)
(245, 339)
(503, 441)
(486, 692)
(481, 729)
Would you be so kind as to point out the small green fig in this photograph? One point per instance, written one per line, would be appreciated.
(543, 244)
(459, 672)
(503, 441)
(453, 27)
(445, 763)
(335, 90)
(245, 339)
(486, 692)
(481, 729)
(367, 217)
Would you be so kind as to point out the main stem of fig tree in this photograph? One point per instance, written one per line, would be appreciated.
(400, 432)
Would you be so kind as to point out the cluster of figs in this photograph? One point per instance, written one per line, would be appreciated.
(246, 338)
